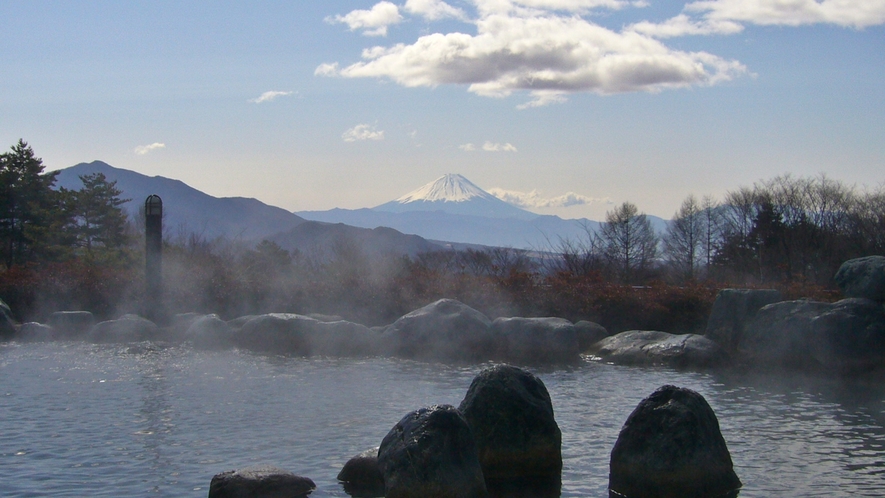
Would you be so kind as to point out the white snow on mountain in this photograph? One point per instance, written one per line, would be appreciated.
(447, 188)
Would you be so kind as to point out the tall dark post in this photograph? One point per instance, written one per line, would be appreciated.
(153, 271)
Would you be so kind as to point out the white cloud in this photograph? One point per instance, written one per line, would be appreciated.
(496, 147)
(534, 200)
(468, 147)
(682, 25)
(541, 52)
(144, 149)
(434, 10)
(326, 70)
(373, 22)
(362, 132)
(268, 96)
(856, 14)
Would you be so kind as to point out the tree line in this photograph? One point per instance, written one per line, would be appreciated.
(76, 249)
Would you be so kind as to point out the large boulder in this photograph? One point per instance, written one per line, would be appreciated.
(443, 330)
(431, 453)
(341, 338)
(671, 447)
(261, 481)
(361, 476)
(780, 334)
(651, 347)
(7, 322)
(128, 328)
(536, 340)
(589, 333)
(279, 333)
(849, 337)
(863, 278)
(209, 332)
(732, 310)
(511, 415)
(35, 332)
(71, 324)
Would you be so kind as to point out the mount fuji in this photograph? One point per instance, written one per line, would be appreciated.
(454, 194)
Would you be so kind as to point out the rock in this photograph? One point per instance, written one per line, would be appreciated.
(326, 318)
(7, 322)
(671, 447)
(650, 347)
(35, 332)
(280, 333)
(341, 338)
(780, 334)
(732, 310)
(511, 415)
(863, 278)
(209, 332)
(259, 482)
(71, 324)
(536, 340)
(128, 328)
(443, 330)
(849, 337)
(589, 333)
(361, 475)
(431, 453)
(237, 323)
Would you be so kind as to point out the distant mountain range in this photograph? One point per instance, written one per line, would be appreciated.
(450, 211)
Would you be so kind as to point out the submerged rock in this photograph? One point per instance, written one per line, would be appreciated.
(536, 340)
(651, 347)
(361, 475)
(431, 453)
(443, 330)
(128, 328)
(511, 415)
(863, 278)
(671, 447)
(260, 482)
(733, 310)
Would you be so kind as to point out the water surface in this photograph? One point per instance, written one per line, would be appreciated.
(148, 420)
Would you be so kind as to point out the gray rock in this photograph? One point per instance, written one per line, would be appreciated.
(341, 338)
(361, 476)
(511, 415)
(431, 453)
(863, 278)
(535, 340)
(589, 333)
(780, 334)
(671, 447)
(650, 347)
(849, 337)
(732, 310)
(280, 333)
(71, 324)
(35, 332)
(237, 323)
(260, 482)
(443, 330)
(7, 322)
(209, 332)
(128, 328)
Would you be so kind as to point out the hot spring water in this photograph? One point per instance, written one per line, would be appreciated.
(142, 420)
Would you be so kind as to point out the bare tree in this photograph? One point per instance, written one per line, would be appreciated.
(684, 238)
(629, 243)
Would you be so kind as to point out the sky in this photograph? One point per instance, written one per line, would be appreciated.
(566, 107)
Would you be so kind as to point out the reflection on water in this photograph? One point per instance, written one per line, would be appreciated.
(89, 420)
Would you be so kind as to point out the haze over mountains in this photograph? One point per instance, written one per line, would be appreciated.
(450, 209)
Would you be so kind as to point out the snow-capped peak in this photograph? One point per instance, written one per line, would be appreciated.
(447, 188)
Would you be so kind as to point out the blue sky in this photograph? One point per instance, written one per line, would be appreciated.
(568, 106)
